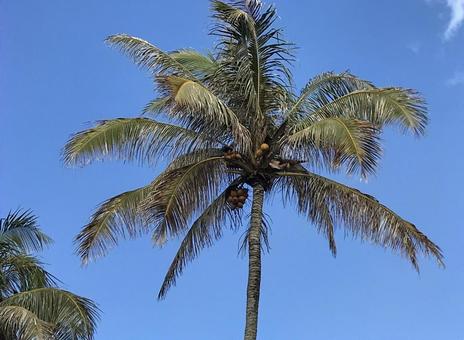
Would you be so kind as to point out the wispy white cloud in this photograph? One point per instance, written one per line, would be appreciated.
(457, 17)
(456, 79)
(414, 47)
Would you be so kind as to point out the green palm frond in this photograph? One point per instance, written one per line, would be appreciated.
(253, 55)
(149, 56)
(239, 28)
(198, 64)
(177, 194)
(395, 106)
(156, 106)
(129, 139)
(20, 230)
(19, 323)
(75, 316)
(264, 239)
(338, 141)
(20, 272)
(234, 13)
(206, 229)
(117, 217)
(194, 157)
(199, 109)
(363, 216)
(317, 212)
(324, 88)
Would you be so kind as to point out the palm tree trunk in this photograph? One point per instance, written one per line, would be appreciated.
(254, 264)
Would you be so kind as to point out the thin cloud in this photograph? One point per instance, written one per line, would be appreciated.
(456, 79)
(414, 47)
(457, 17)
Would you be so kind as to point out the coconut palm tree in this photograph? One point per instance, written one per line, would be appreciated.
(230, 121)
(31, 305)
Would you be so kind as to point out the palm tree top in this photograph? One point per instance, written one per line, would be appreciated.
(19, 230)
(31, 304)
(232, 120)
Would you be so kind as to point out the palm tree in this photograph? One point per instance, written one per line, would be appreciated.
(31, 305)
(230, 121)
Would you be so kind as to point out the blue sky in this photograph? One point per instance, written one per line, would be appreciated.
(56, 76)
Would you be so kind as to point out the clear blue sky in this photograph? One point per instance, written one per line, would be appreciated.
(56, 76)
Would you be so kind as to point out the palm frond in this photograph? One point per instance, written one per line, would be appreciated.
(393, 106)
(252, 54)
(117, 217)
(20, 272)
(318, 212)
(20, 229)
(156, 106)
(265, 230)
(194, 157)
(200, 110)
(207, 229)
(141, 139)
(324, 88)
(19, 323)
(336, 141)
(177, 194)
(75, 316)
(148, 56)
(362, 215)
(202, 66)
(239, 25)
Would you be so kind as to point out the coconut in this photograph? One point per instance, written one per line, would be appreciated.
(259, 153)
(235, 200)
(230, 199)
(233, 193)
(264, 147)
(240, 192)
(239, 205)
(242, 198)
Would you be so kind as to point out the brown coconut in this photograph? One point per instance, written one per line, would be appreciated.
(264, 147)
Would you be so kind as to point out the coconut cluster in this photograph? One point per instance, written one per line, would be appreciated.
(237, 197)
(263, 149)
(232, 155)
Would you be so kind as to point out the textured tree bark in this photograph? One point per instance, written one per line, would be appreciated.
(254, 264)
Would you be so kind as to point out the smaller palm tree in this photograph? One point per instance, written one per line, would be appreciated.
(31, 305)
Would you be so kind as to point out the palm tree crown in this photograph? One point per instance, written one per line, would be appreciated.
(31, 305)
(231, 120)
